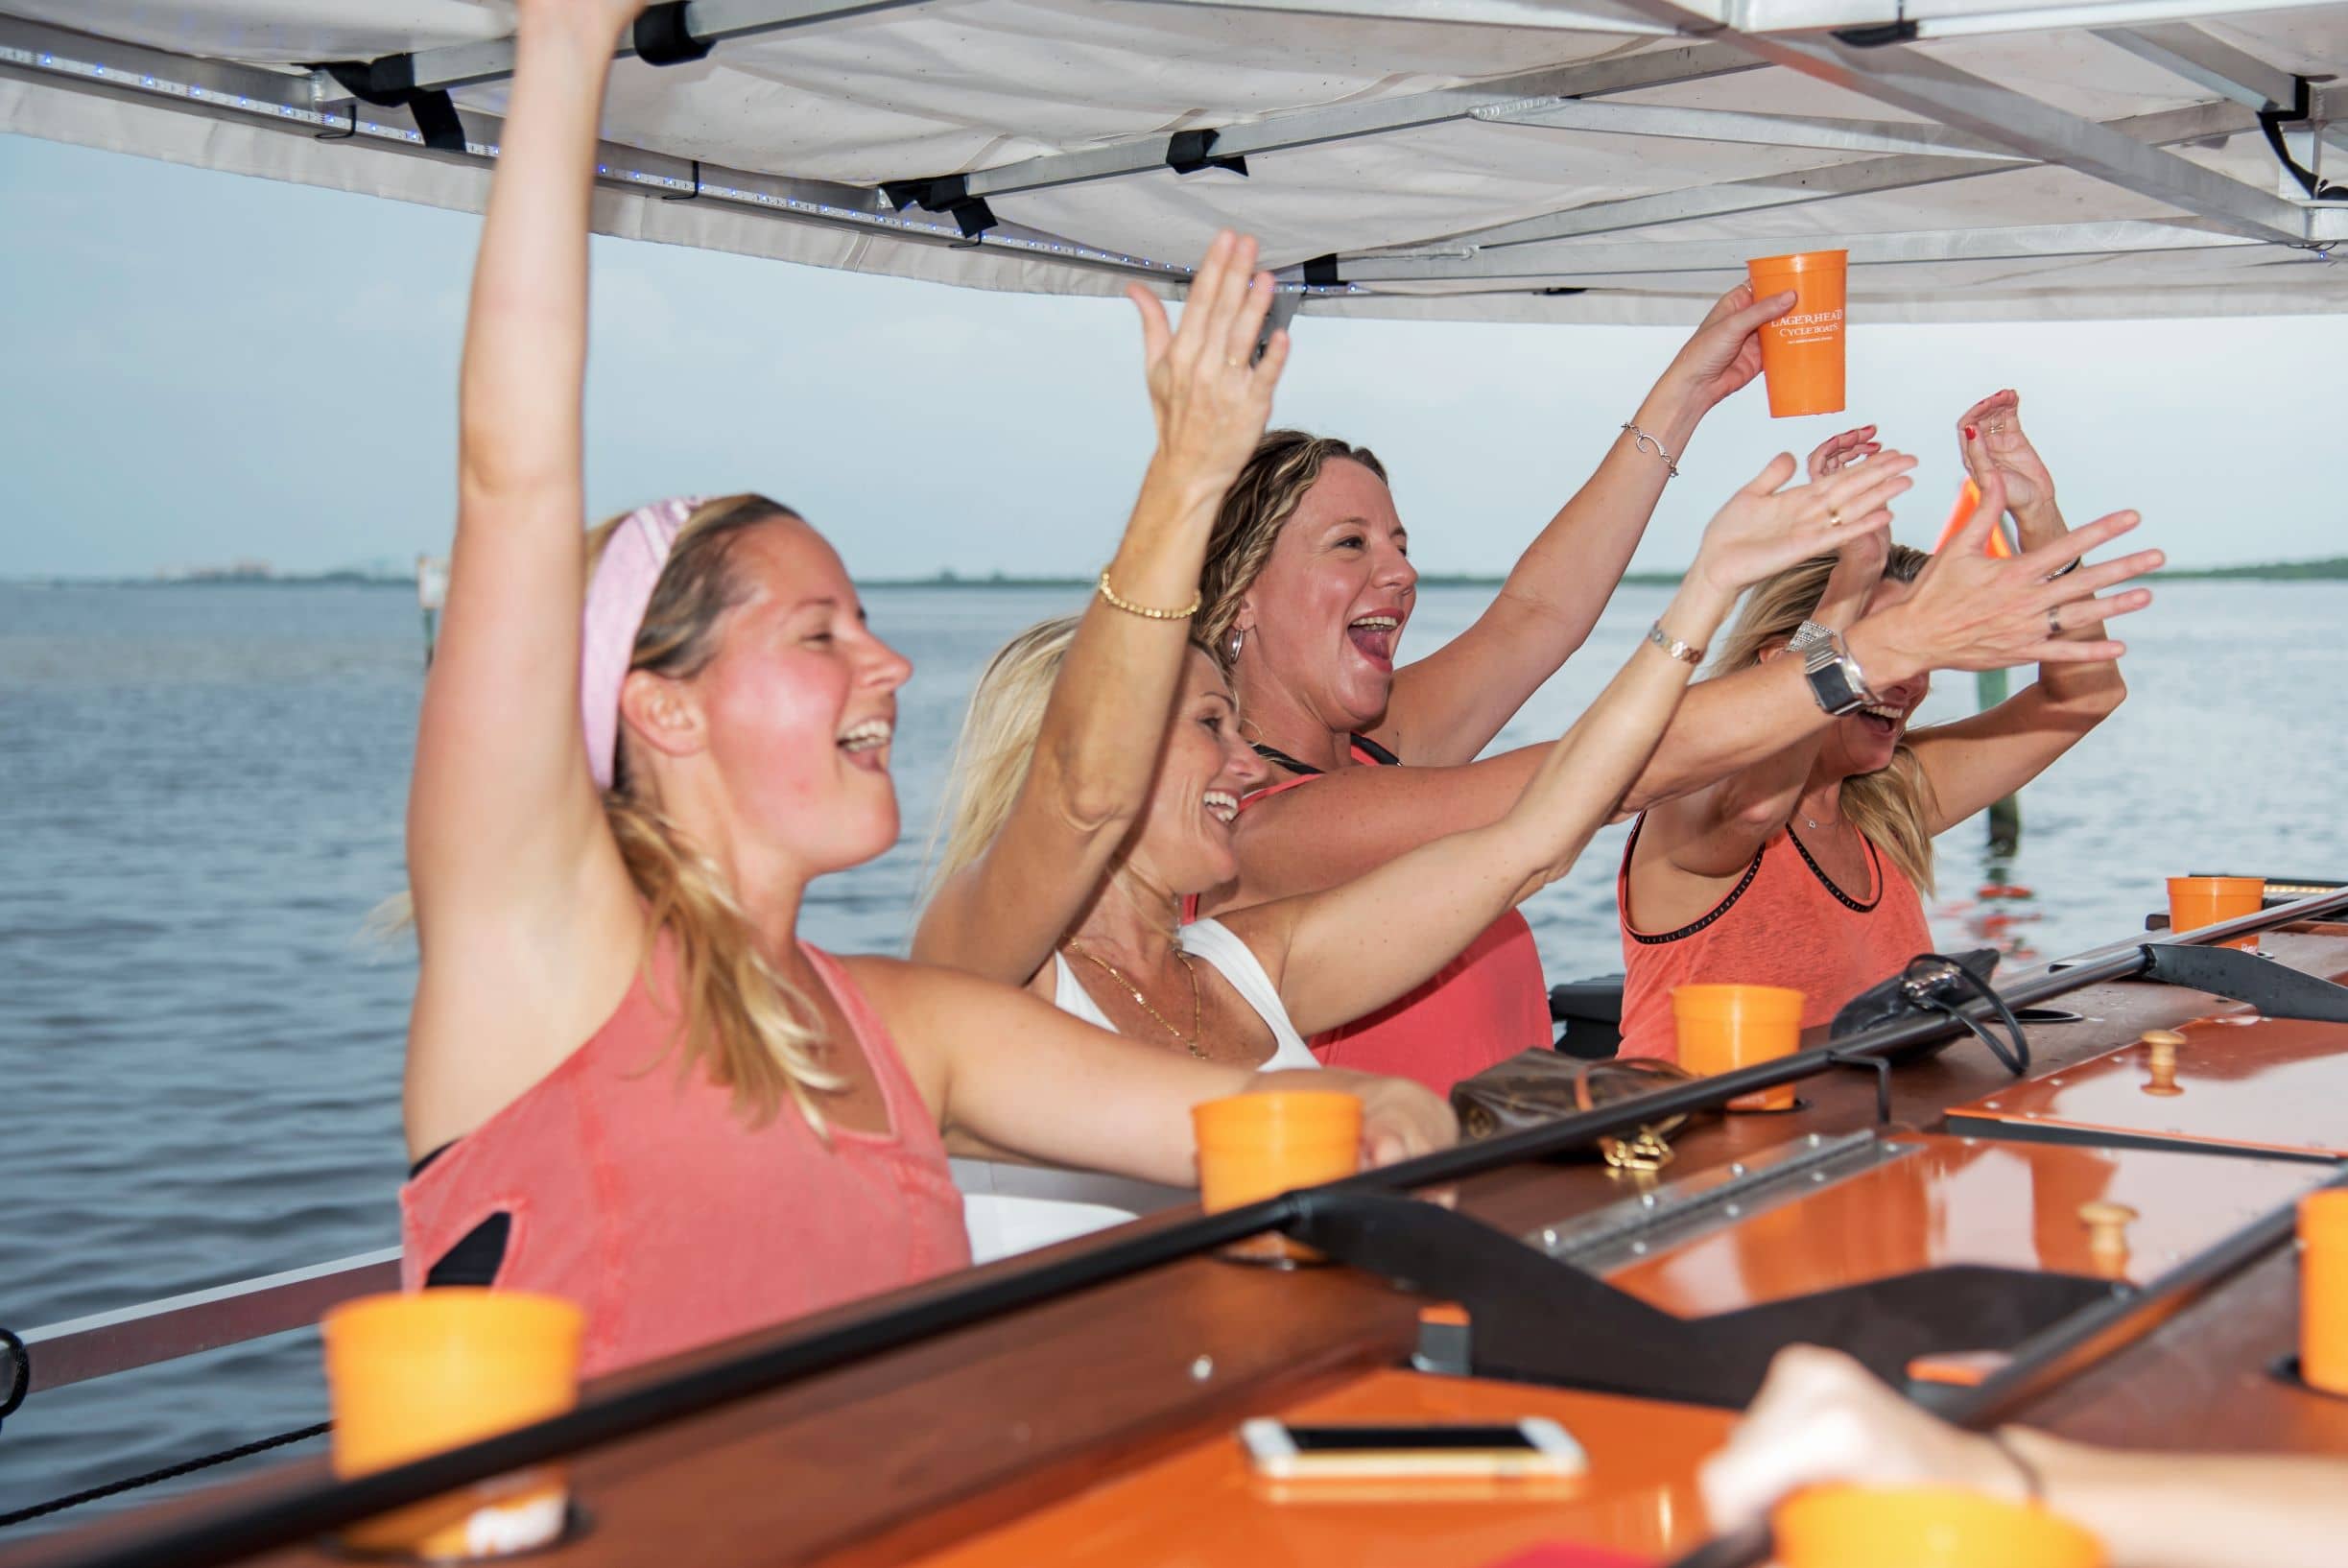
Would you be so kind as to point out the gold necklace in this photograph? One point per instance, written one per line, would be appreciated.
(1197, 1013)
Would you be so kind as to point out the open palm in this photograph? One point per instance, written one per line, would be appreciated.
(1765, 528)
(1990, 438)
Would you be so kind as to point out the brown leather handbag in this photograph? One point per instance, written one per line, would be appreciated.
(1538, 1086)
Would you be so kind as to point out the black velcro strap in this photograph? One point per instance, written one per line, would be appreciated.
(661, 38)
(1876, 37)
(390, 82)
(2271, 122)
(946, 195)
(1187, 151)
(1321, 273)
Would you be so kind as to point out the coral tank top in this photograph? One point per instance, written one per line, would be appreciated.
(1783, 924)
(643, 1196)
(1484, 1007)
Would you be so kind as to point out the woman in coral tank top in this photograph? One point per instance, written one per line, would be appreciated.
(1802, 869)
(630, 1082)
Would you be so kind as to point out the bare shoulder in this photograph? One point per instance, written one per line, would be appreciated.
(921, 993)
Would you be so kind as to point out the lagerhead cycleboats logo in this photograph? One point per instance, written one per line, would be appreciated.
(1809, 326)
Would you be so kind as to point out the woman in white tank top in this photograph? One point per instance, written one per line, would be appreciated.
(1014, 1208)
(1098, 783)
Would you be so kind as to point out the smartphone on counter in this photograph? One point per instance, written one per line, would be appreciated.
(1535, 1447)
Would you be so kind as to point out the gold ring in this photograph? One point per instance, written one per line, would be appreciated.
(1833, 517)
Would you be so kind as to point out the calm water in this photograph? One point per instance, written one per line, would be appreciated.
(199, 801)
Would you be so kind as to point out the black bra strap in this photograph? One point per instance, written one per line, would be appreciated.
(1378, 754)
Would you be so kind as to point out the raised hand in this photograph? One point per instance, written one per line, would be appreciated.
(1726, 351)
(1836, 451)
(1209, 392)
(1990, 440)
(1972, 611)
(1765, 527)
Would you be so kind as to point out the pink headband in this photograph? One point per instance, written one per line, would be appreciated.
(617, 595)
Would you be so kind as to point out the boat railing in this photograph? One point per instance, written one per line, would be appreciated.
(139, 1335)
(194, 1321)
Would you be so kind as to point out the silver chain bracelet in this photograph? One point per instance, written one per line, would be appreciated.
(1646, 442)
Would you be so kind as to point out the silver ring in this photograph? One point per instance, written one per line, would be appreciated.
(1833, 517)
(1996, 425)
(2054, 621)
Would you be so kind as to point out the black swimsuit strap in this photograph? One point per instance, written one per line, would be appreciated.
(1378, 754)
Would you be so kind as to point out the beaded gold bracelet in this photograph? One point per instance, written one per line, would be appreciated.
(1144, 610)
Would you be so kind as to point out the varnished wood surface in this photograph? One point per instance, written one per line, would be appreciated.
(2200, 1383)
(910, 1451)
(1203, 1506)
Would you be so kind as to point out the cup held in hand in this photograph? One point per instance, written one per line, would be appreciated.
(1801, 351)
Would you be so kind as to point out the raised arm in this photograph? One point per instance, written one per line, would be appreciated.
(1357, 946)
(1822, 1417)
(1089, 776)
(1446, 707)
(1969, 612)
(1975, 762)
(1715, 831)
(518, 885)
(502, 796)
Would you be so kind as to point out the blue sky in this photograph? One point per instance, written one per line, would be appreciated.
(204, 367)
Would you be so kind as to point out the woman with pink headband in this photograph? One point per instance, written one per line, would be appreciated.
(639, 1089)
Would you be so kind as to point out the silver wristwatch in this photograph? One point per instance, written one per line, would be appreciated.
(1834, 678)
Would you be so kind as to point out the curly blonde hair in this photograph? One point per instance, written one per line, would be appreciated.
(1286, 463)
(1892, 807)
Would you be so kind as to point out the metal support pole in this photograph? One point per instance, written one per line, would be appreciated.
(2005, 816)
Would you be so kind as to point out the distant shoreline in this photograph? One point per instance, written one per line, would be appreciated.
(2329, 569)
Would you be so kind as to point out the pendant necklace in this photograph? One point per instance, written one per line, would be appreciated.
(1197, 1015)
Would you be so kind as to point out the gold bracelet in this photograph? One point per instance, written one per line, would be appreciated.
(1685, 652)
(1144, 610)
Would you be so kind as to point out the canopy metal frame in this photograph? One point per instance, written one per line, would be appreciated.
(1964, 126)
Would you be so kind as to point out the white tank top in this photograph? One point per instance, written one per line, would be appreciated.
(1015, 1209)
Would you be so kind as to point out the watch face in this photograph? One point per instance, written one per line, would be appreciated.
(1831, 683)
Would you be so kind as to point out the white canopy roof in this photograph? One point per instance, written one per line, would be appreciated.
(1596, 160)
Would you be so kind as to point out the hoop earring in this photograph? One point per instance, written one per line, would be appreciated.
(1238, 640)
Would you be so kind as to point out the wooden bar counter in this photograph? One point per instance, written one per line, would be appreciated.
(1098, 1426)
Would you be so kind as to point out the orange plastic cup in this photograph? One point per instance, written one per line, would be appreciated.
(1801, 351)
(2198, 901)
(413, 1375)
(1722, 1028)
(1256, 1145)
(1924, 1526)
(2323, 1290)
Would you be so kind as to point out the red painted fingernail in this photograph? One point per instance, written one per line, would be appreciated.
(1970, 433)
